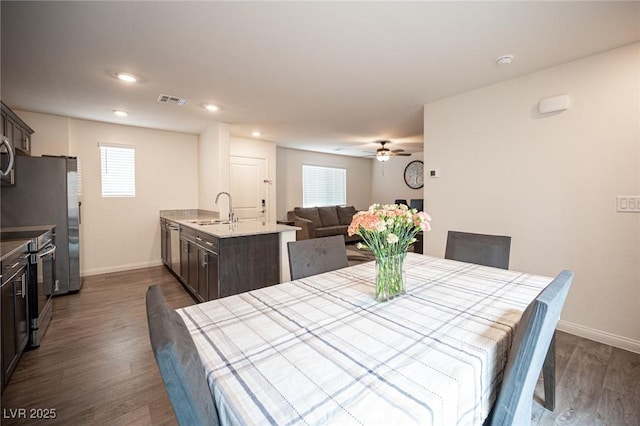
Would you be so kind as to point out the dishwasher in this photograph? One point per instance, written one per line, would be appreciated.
(175, 248)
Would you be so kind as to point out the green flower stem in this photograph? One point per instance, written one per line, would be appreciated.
(389, 277)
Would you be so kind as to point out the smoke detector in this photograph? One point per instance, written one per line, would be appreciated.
(504, 60)
(168, 99)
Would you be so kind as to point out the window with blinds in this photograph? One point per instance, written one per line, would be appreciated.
(118, 171)
(323, 186)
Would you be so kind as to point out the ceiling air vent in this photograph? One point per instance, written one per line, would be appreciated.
(168, 99)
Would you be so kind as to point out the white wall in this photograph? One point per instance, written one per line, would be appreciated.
(289, 177)
(124, 233)
(387, 180)
(550, 182)
(253, 148)
(213, 168)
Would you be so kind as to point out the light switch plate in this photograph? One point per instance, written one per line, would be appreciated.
(628, 203)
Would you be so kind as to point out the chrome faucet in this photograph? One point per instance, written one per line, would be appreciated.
(231, 214)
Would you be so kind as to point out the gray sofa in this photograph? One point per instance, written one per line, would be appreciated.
(322, 221)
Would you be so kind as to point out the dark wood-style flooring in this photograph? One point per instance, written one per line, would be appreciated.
(95, 365)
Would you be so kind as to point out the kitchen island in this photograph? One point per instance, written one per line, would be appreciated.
(214, 258)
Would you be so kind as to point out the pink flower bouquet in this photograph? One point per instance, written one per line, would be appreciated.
(388, 229)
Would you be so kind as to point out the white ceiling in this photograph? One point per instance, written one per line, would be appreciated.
(324, 76)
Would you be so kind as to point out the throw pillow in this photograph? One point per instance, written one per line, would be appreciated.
(310, 213)
(329, 216)
(345, 214)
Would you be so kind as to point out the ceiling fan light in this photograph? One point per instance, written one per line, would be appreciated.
(383, 156)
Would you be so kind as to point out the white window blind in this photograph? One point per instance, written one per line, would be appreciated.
(118, 171)
(323, 186)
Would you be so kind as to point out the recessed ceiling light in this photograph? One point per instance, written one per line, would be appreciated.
(256, 134)
(212, 108)
(120, 113)
(129, 78)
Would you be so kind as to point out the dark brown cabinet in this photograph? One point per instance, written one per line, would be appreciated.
(17, 135)
(193, 261)
(184, 260)
(192, 276)
(248, 263)
(21, 138)
(13, 312)
(16, 130)
(165, 242)
(207, 247)
(208, 274)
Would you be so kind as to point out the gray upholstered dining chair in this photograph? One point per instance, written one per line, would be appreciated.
(481, 249)
(528, 352)
(494, 250)
(179, 363)
(417, 203)
(317, 255)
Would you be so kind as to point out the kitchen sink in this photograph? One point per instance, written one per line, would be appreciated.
(203, 222)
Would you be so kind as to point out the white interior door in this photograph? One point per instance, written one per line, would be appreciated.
(249, 182)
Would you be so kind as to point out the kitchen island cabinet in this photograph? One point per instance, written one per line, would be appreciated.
(195, 260)
(219, 260)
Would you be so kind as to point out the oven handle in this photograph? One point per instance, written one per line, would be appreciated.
(48, 252)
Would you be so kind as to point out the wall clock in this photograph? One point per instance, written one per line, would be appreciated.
(414, 174)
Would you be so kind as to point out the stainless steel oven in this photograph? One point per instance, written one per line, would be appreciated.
(43, 283)
(41, 275)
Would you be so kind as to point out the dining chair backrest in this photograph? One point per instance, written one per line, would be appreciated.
(481, 249)
(527, 354)
(417, 203)
(179, 363)
(401, 201)
(317, 255)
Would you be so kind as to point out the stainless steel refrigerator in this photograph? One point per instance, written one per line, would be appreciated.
(46, 193)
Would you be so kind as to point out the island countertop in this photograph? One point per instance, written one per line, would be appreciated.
(189, 218)
(238, 229)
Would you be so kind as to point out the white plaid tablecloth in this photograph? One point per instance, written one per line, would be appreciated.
(320, 350)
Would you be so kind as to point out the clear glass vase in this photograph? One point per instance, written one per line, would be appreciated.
(390, 280)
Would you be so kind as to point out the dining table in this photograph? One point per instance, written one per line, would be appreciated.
(322, 350)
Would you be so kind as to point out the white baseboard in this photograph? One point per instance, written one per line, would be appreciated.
(120, 268)
(600, 336)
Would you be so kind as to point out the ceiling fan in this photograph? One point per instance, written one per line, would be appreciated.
(384, 154)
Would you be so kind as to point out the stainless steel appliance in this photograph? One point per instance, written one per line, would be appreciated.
(42, 283)
(41, 275)
(46, 193)
(7, 173)
(175, 247)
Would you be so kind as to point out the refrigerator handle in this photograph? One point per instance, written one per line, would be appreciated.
(79, 212)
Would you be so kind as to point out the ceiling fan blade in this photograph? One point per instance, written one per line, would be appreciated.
(397, 150)
(401, 154)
